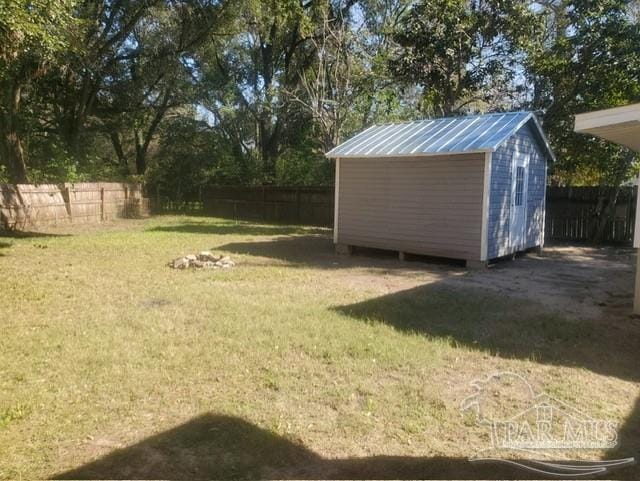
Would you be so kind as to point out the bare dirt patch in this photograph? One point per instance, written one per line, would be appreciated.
(579, 282)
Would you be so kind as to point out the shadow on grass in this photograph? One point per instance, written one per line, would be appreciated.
(241, 228)
(303, 249)
(295, 245)
(16, 234)
(481, 319)
(317, 250)
(4, 245)
(512, 328)
(629, 439)
(222, 447)
(23, 235)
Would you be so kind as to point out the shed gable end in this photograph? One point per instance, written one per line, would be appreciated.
(523, 141)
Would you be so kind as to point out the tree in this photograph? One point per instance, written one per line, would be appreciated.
(108, 36)
(380, 96)
(589, 60)
(32, 35)
(329, 86)
(248, 75)
(158, 76)
(461, 53)
(348, 85)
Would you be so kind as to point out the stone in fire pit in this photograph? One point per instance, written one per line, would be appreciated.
(204, 260)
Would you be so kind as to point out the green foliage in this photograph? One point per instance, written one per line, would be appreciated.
(4, 174)
(13, 413)
(190, 93)
(34, 30)
(303, 167)
(458, 51)
(592, 61)
(60, 167)
(34, 35)
(53, 163)
(192, 155)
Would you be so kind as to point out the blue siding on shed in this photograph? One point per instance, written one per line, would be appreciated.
(524, 141)
(499, 202)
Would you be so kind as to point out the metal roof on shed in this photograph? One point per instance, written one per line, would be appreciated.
(450, 135)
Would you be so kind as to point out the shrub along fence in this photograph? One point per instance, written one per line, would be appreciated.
(301, 205)
(26, 206)
(573, 214)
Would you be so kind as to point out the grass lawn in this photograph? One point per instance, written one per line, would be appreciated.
(295, 363)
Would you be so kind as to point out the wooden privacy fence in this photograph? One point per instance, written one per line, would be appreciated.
(570, 211)
(571, 215)
(301, 205)
(25, 206)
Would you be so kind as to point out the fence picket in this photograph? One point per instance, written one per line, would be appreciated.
(26, 206)
(570, 211)
(571, 215)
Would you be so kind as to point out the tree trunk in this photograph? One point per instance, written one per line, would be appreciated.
(269, 137)
(141, 162)
(607, 214)
(117, 147)
(13, 142)
(78, 104)
(143, 142)
(15, 155)
(141, 154)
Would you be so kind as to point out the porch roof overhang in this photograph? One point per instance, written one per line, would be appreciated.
(620, 125)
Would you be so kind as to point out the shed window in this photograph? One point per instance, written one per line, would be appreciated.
(519, 186)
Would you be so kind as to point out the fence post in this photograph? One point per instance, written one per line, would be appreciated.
(102, 203)
(630, 214)
(26, 209)
(264, 203)
(158, 208)
(70, 201)
(298, 205)
(126, 201)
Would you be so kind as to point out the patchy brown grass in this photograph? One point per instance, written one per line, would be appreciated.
(296, 363)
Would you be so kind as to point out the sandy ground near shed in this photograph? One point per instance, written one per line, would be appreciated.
(579, 282)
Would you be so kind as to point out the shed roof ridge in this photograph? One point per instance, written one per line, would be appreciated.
(452, 117)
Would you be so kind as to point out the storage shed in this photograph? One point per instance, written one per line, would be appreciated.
(470, 188)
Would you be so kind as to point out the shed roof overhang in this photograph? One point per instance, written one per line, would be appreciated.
(620, 125)
(442, 136)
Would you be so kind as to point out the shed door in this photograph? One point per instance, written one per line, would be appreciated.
(519, 202)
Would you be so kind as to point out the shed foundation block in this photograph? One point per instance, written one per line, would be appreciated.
(344, 249)
(473, 264)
